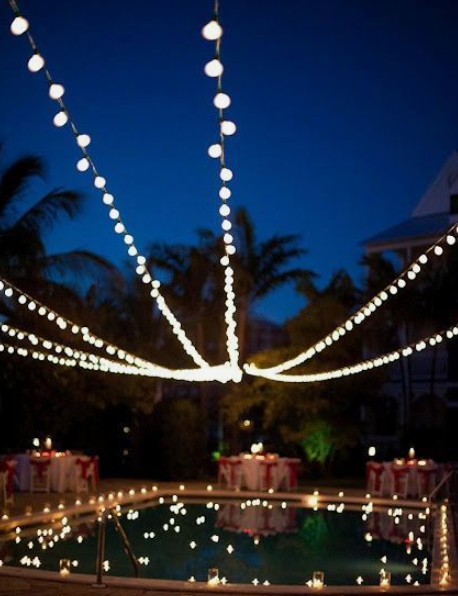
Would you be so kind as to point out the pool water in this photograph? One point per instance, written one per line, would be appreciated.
(247, 541)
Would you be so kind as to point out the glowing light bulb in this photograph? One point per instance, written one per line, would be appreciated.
(222, 100)
(224, 193)
(438, 250)
(99, 181)
(56, 91)
(214, 68)
(226, 225)
(19, 25)
(36, 62)
(451, 240)
(230, 249)
(82, 165)
(113, 213)
(228, 128)
(224, 210)
(228, 239)
(224, 261)
(212, 31)
(226, 174)
(60, 119)
(108, 198)
(83, 140)
(215, 150)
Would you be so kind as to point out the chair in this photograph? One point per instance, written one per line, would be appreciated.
(40, 474)
(230, 472)
(291, 473)
(375, 478)
(269, 474)
(426, 479)
(86, 473)
(7, 476)
(400, 475)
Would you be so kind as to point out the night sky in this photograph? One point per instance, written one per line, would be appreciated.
(345, 109)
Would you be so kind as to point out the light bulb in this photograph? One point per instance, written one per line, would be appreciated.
(228, 128)
(230, 249)
(128, 239)
(212, 31)
(423, 259)
(99, 181)
(227, 238)
(119, 228)
(451, 240)
(83, 140)
(226, 225)
(222, 100)
(214, 68)
(226, 174)
(215, 150)
(108, 198)
(224, 193)
(224, 261)
(113, 213)
(36, 62)
(438, 250)
(60, 119)
(83, 164)
(56, 91)
(20, 25)
(224, 210)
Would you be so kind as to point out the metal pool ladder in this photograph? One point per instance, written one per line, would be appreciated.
(101, 545)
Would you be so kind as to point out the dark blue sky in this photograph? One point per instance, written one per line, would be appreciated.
(345, 111)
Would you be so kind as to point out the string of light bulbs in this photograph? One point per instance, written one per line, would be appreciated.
(407, 275)
(360, 367)
(213, 31)
(208, 373)
(36, 63)
(216, 373)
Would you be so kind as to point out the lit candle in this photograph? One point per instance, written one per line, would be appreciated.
(385, 579)
(213, 577)
(318, 580)
(65, 567)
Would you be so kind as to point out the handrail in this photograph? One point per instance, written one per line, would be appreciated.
(101, 546)
(444, 479)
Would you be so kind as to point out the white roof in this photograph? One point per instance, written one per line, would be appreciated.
(437, 198)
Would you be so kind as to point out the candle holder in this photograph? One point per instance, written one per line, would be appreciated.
(318, 580)
(65, 567)
(213, 577)
(385, 579)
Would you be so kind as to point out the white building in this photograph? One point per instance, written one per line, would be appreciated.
(436, 211)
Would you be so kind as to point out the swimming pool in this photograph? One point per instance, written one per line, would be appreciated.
(258, 541)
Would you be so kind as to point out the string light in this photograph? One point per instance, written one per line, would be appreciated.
(56, 92)
(410, 273)
(360, 367)
(212, 31)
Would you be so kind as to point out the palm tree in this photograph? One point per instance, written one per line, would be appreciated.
(262, 267)
(23, 256)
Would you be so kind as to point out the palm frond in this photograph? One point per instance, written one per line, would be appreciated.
(15, 180)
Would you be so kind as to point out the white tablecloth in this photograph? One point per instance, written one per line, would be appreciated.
(252, 471)
(62, 472)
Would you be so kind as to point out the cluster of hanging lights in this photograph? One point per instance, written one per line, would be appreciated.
(212, 31)
(214, 69)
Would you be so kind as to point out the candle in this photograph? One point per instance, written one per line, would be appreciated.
(213, 577)
(65, 567)
(385, 579)
(318, 580)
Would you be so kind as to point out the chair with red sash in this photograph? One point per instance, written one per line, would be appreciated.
(86, 473)
(426, 479)
(230, 472)
(269, 474)
(400, 477)
(7, 475)
(40, 474)
(375, 478)
(291, 473)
